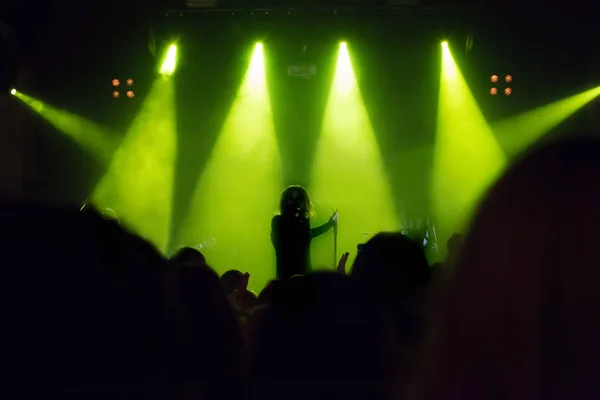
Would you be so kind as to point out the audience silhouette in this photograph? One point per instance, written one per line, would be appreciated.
(90, 310)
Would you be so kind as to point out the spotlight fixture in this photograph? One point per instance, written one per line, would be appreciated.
(116, 94)
(493, 91)
(116, 82)
(129, 82)
(13, 91)
(494, 78)
(130, 94)
(508, 91)
(169, 63)
(508, 79)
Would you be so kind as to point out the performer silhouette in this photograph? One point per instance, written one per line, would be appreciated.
(291, 233)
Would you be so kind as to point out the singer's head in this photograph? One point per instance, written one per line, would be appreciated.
(295, 200)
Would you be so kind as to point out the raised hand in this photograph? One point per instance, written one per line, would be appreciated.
(341, 268)
(334, 217)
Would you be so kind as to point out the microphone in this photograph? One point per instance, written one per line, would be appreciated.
(301, 212)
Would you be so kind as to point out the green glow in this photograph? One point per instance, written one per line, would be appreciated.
(348, 172)
(467, 157)
(139, 182)
(170, 61)
(238, 192)
(517, 133)
(91, 137)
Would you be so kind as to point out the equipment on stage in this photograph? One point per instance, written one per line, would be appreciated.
(335, 234)
(207, 244)
(305, 71)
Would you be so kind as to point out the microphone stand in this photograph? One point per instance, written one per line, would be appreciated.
(335, 260)
(335, 234)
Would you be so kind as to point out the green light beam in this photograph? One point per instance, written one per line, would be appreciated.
(139, 182)
(466, 158)
(238, 191)
(349, 173)
(518, 133)
(90, 136)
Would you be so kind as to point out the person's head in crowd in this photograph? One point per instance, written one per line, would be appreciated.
(88, 311)
(519, 317)
(104, 212)
(235, 284)
(231, 280)
(392, 267)
(393, 271)
(320, 339)
(188, 256)
(109, 214)
(295, 201)
(454, 246)
(265, 296)
(219, 348)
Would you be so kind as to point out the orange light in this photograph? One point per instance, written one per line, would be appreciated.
(130, 94)
(508, 91)
(494, 78)
(508, 78)
(116, 82)
(493, 91)
(129, 82)
(116, 94)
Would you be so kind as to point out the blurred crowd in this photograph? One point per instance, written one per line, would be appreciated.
(90, 310)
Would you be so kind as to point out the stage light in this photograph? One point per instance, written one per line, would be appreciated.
(508, 78)
(494, 78)
(169, 62)
(115, 82)
(493, 91)
(130, 94)
(129, 82)
(13, 91)
(508, 91)
(445, 44)
(343, 45)
(116, 94)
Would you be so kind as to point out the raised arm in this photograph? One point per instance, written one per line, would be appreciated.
(319, 230)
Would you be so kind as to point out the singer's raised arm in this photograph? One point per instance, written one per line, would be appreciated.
(319, 230)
